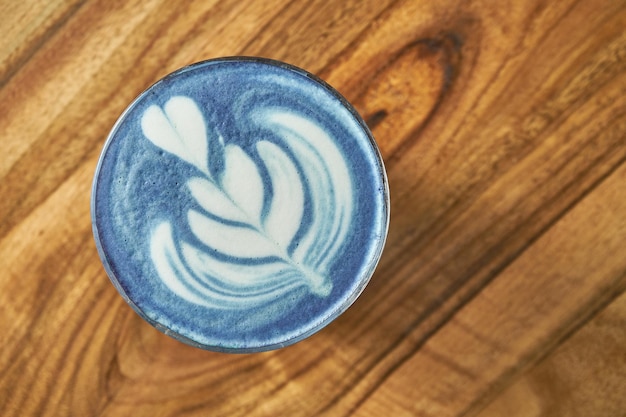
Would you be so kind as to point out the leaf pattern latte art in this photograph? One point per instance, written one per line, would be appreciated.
(246, 254)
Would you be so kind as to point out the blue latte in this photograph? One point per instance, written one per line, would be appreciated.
(240, 205)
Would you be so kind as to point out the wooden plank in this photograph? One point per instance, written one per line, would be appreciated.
(585, 376)
(504, 135)
(25, 27)
(557, 283)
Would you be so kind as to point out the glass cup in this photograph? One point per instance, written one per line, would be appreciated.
(240, 204)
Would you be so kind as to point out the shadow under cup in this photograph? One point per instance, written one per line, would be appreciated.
(240, 205)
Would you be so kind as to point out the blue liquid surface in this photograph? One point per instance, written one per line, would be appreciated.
(240, 205)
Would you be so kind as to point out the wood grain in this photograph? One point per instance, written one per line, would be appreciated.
(582, 377)
(503, 128)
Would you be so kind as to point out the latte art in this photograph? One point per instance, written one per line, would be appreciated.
(229, 217)
(240, 205)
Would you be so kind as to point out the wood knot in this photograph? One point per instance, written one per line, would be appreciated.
(402, 96)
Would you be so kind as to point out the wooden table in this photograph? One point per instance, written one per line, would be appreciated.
(501, 289)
